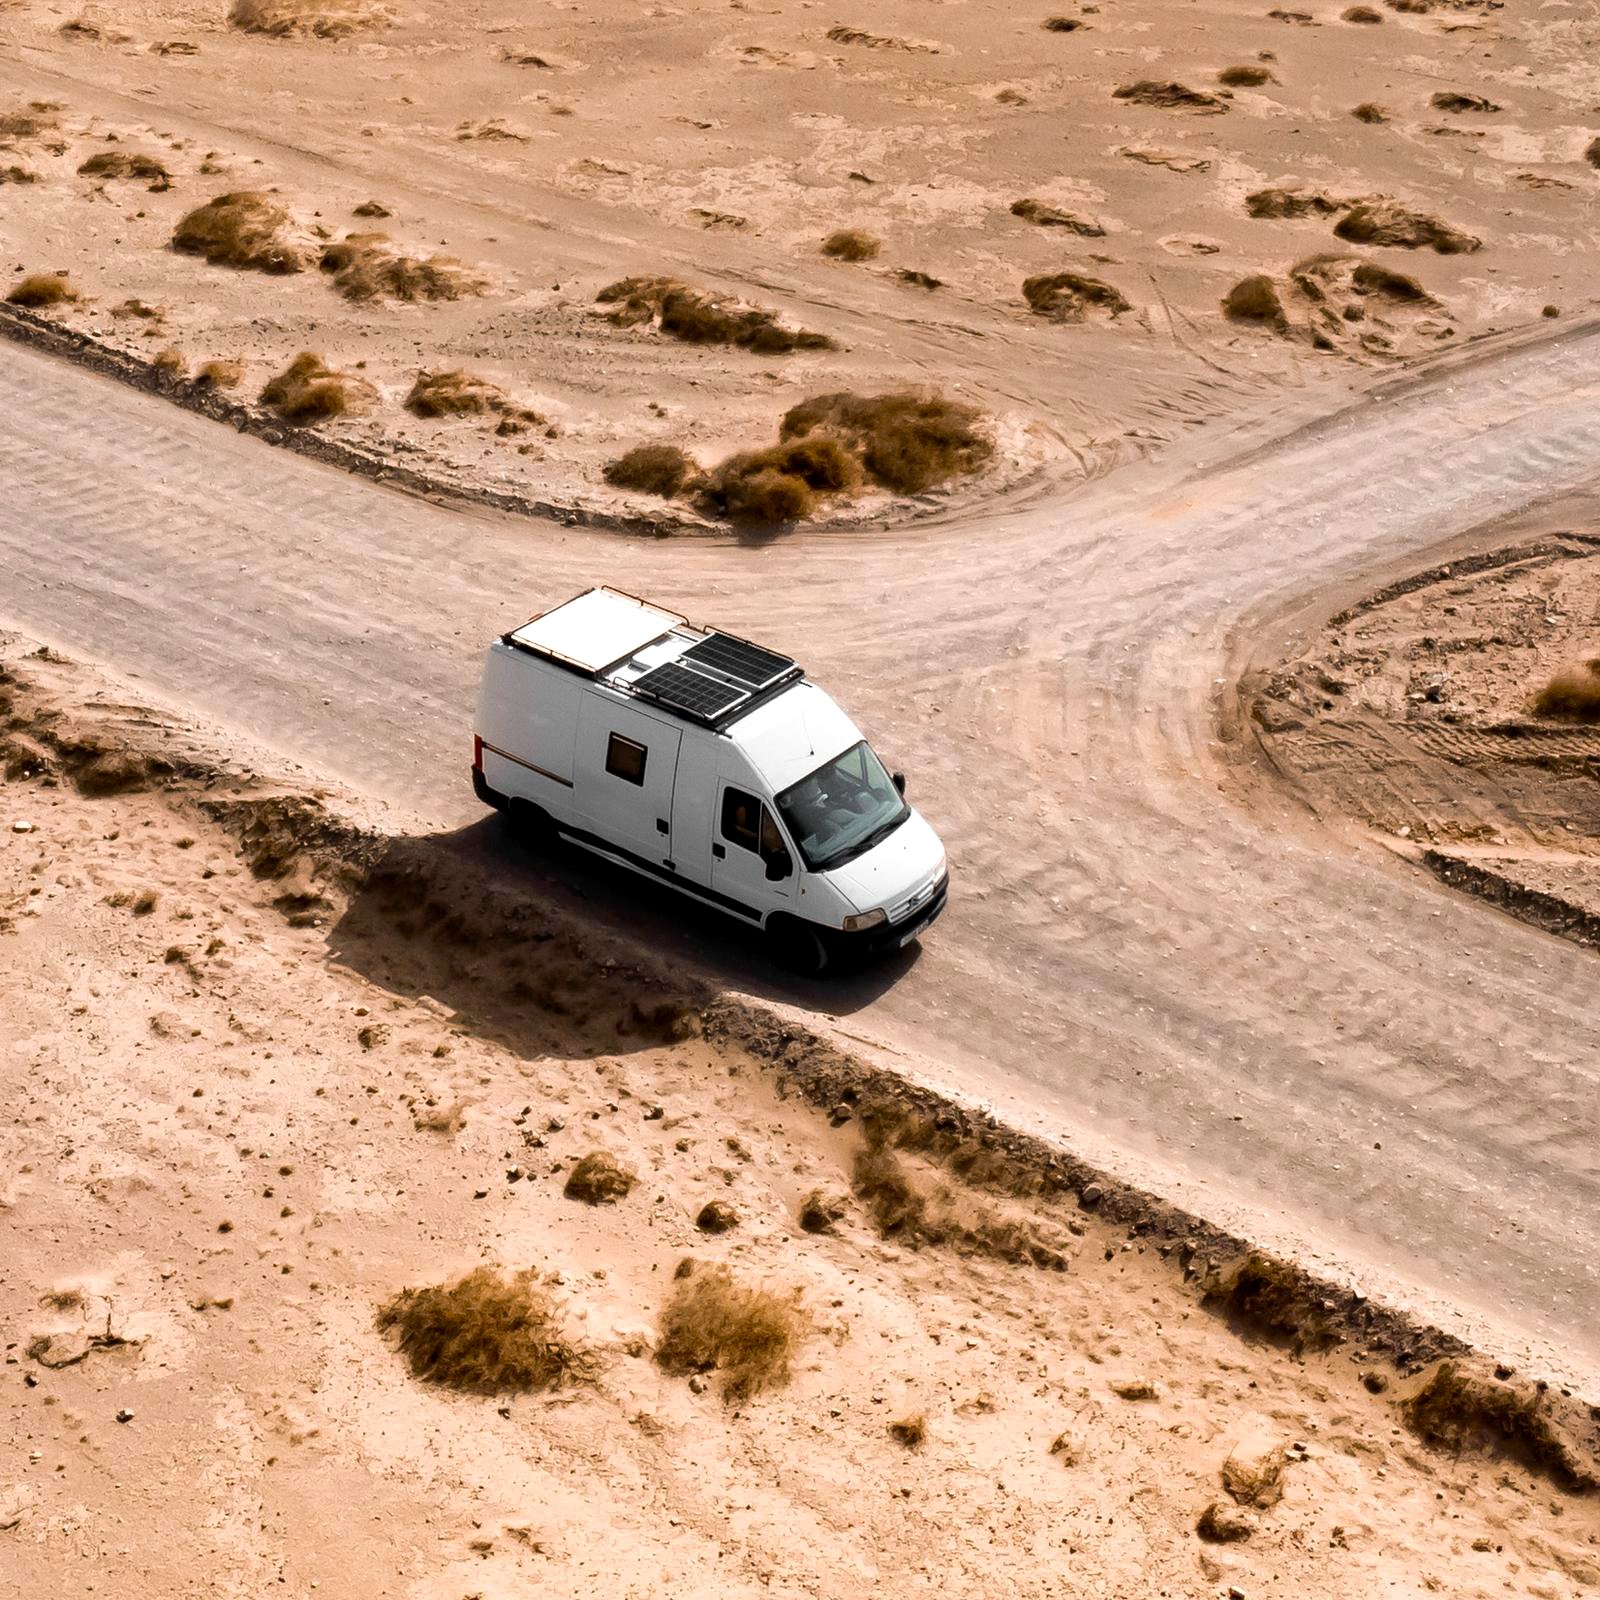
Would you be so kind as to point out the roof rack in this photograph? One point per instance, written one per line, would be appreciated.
(594, 631)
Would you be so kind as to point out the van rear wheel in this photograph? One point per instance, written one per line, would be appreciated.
(532, 826)
(798, 947)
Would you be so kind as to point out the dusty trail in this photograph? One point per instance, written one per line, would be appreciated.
(1272, 1023)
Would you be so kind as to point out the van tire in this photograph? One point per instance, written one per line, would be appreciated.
(798, 947)
(532, 826)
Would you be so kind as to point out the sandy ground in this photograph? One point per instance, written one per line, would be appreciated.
(553, 151)
(222, 1163)
(1413, 714)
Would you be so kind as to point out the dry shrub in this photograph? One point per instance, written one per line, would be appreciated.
(599, 1180)
(1370, 111)
(453, 393)
(1170, 96)
(661, 469)
(910, 1431)
(322, 20)
(1387, 222)
(1362, 14)
(138, 309)
(244, 229)
(40, 289)
(750, 487)
(1573, 694)
(1292, 200)
(488, 1334)
(1454, 100)
(905, 442)
(1247, 77)
(367, 266)
(1456, 1410)
(371, 208)
(1071, 296)
(309, 390)
(115, 164)
(716, 1216)
(1370, 278)
(699, 318)
(918, 280)
(851, 244)
(1064, 24)
(1047, 216)
(1273, 1300)
(171, 362)
(715, 1323)
(917, 1209)
(220, 374)
(1255, 299)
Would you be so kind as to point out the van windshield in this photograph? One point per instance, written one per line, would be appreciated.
(843, 809)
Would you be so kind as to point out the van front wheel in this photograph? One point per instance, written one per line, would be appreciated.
(798, 946)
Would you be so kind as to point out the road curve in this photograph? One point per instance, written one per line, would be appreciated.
(1146, 954)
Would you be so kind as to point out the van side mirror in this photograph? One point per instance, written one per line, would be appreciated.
(899, 780)
(779, 865)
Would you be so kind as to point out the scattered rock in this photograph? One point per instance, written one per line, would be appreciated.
(1224, 1524)
(716, 1216)
(1388, 222)
(1253, 1472)
(1134, 1389)
(821, 1212)
(1170, 96)
(598, 1179)
(1454, 100)
(1047, 216)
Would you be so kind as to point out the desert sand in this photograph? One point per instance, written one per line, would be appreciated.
(252, 1100)
(1135, 167)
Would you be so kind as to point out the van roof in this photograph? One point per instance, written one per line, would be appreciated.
(652, 654)
(793, 734)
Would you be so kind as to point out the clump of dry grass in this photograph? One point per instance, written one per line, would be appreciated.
(453, 393)
(661, 469)
(1245, 77)
(244, 229)
(1456, 101)
(309, 390)
(917, 279)
(780, 484)
(1064, 24)
(917, 1208)
(1071, 296)
(699, 318)
(1371, 278)
(1048, 216)
(1457, 1411)
(851, 244)
(1369, 111)
(1169, 96)
(599, 1179)
(127, 164)
(322, 19)
(1293, 200)
(367, 266)
(220, 374)
(1255, 299)
(1573, 694)
(1273, 1300)
(371, 208)
(171, 362)
(714, 1323)
(905, 442)
(488, 1333)
(1363, 14)
(1388, 222)
(911, 1432)
(136, 308)
(41, 289)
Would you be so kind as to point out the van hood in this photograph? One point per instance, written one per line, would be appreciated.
(896, 874)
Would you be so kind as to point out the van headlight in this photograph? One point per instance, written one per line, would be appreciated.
(863, 920)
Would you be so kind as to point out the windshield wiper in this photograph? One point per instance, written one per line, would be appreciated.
(876, 837)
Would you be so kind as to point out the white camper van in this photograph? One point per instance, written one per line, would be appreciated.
(708, 763)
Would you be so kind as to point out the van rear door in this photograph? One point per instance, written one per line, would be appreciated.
(627, 763)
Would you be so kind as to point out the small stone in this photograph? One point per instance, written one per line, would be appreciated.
(1134, 1389)
(716, 1216)
(124, 1415)
(513, 1174)
(1091, 1195)
(21, 825)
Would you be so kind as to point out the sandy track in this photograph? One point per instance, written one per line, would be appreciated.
(1270, 1023)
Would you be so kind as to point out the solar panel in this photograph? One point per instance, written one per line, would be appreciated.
(691, 692)
(738, 659)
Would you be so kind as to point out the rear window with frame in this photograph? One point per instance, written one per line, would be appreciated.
(625, 759)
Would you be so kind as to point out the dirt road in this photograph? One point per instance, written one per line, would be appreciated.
(1148, 951)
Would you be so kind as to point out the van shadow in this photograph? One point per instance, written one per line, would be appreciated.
(475, 920)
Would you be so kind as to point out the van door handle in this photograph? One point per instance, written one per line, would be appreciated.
(661, 824)
(719, 852)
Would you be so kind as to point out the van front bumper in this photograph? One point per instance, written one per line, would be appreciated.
(888, 936)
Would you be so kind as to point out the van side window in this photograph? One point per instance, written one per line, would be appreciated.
(625, 759)
(741, 819)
